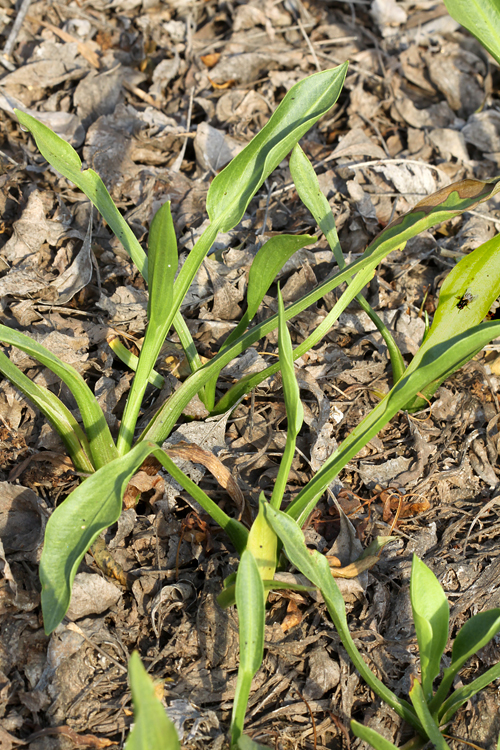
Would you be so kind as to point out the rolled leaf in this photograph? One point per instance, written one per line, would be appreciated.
(293, 404)
(251, 615)
(163, 260)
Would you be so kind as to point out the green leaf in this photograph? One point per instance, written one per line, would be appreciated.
(55, 412)
(246, 384)
(163, 261)
(307, 101)
(481, 18)
(315, 567)
(75, 525)
(465, 693)
(64, 158)
(312, 197)
(291, 391)
(129, 359)
(465, 298)
(371, 736)
(270, 259)
(293, 404)
(101, 443)
(227, 596)
(262, 543)
(441, 206)
(472, 636)
(163, 266)
(421, 709)
(251, 615)
(66, 161)
(91, 508)
(232, 190)
(152, 729)
(431, 615)
(436, 359)
(245, 743)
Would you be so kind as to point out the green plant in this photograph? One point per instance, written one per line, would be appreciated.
(481, 18)
(455, 336)
(152, 728)
(429, 711)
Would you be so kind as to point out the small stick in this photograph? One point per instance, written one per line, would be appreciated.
(11, 40)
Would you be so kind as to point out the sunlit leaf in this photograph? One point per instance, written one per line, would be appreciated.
(465, 298)
(152, 729)
(371, 736)
(436, 359)
(421, 709)
(251, 616)
(431, 615)
(312, 197)
(481, 18)
(97, 431)
(91, 508)
(307, 101)
(64, 158)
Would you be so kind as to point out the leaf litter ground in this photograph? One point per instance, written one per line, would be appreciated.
(159, 98)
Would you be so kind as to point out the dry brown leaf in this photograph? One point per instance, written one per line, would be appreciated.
(107, 563)
(225, 85)
(198, 455)
(79, 740)
(293, 616)
(353, 569)
(83, 48)
(210, 60)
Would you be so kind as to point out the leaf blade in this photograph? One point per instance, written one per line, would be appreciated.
(56, 414)
(481, 18)
(475, 634)
(65, 160)
(233, 188)
(91, 508)
(371, 736)
(101, 443)
(152, 730)
(431, 728)
(251, 614)
(315, 567)
(431, 615)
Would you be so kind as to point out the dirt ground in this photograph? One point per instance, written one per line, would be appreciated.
(157, 97)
